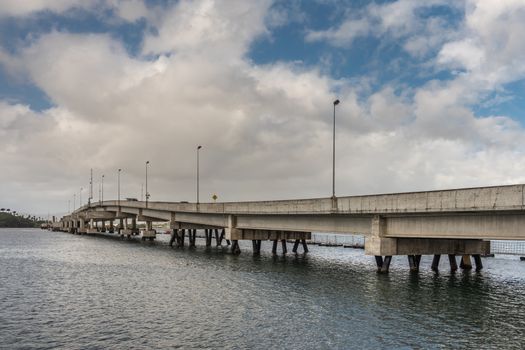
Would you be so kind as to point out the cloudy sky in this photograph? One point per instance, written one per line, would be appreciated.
(432, 96)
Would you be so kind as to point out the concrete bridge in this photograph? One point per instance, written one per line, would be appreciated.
(451, 222)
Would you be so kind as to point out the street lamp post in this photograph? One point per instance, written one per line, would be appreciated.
(74, 201)
(69, 206)
(118, 187)
(102, 189)
(336, 102)
(147, 193)
(198, 149)
(80, 198)
(90, 198)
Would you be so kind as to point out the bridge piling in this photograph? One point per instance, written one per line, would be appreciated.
(208, 233)
(465, 263)
(192, 233)
(413, 262)
(453, 263)
(383, 265)
(236, 250)
(435, 262)
(216, 232)
(295, 246)
(174, 237)
(256, 244)
(283, 244)
(182, 237)
(305, 246)
(477, 260)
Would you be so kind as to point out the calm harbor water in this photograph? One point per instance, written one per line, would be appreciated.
(63, 291)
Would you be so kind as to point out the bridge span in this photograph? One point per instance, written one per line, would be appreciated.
(448, 222)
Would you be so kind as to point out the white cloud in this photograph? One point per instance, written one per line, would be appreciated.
(266, 129)
(128, 10)
(397, 19)
(16, 8)
(208, 27)
(492, 49)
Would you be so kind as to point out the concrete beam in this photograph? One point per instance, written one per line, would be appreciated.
(306, 223)
(100, 215)
(472, 226)
(424, 246)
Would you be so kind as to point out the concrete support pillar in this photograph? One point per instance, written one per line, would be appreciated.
(296, 245)
(256, 243)
(82, 225)
(232, 232)
(103, 226)
(120, 225)
(413, 261)
(208, 234)
(192, 234)
(175, 237)
(283, 244)
(134, 228)
(182, 236)
(305, 246)
(217, 241)
(376, 244)
(274, 247)
(383, 265)
(435, 262)
(111, 227)
(453, 263)
(223, 236)
(235, 247)
(465, 263)
(477, 260)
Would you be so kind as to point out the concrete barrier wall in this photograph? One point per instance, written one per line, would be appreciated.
(470, 199)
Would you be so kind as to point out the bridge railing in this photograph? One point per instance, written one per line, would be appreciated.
(508, 247)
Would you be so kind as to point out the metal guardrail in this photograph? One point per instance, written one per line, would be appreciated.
(334, 239)
(508, 247)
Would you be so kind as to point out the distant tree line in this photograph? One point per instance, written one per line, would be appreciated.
(10, 218)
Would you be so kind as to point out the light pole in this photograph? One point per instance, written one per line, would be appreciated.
(147, 193)
(69, 206)
(118, 187)
(198, 149)
(336, 102)
(74, 201)
(80, 198)
(102, 188)
(90, 198)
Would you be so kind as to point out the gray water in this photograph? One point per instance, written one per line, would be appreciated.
(63, 291)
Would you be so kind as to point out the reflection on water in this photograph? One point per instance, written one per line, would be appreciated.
(74, 292)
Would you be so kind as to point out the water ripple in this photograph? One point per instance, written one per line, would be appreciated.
(60, 291)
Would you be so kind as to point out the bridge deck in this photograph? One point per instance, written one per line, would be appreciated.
(472, 213)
